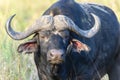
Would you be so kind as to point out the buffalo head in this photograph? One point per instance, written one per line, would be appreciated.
(52, 38)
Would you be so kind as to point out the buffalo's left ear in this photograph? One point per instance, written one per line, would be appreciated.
(79, 46)
(28, 47)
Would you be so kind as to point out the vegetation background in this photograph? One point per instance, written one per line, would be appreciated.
(14, 66)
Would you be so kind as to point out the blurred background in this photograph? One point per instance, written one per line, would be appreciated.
(14, 66)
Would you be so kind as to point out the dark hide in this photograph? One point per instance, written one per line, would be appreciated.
(83, 65)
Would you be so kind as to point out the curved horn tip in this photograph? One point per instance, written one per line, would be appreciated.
(12, 16)
(97, 22)
(9, 20)
(90, 33)
(8, 25)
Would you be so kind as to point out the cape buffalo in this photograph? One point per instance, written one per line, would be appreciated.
(73, 41)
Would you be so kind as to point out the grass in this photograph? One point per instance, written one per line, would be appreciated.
(14, 66)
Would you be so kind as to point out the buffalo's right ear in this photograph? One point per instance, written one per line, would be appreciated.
(79, 46)
(28, 47)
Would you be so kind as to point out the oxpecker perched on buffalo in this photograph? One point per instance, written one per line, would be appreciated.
(73, 41)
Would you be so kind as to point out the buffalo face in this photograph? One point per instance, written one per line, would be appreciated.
(53, 45)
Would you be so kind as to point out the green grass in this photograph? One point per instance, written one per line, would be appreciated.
(14, 66)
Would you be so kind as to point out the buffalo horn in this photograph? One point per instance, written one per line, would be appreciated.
(62, 22)
(44, 22)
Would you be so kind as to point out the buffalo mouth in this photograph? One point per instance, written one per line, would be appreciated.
(56, 62)
(55, 70)
(55, 66)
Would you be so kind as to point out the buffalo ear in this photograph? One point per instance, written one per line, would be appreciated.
(28, 47)
(79, 46)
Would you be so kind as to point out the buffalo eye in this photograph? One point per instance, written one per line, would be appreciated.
(43, 37)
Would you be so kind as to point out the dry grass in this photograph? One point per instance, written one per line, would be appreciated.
(14, 66)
